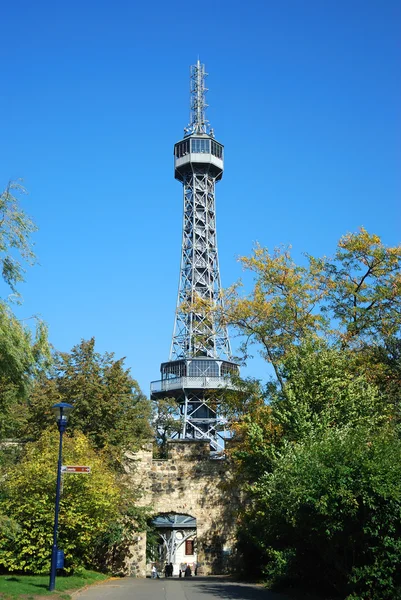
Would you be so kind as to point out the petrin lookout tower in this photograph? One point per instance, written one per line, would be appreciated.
(200, 357)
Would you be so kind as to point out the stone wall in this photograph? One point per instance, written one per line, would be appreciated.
(188, 482)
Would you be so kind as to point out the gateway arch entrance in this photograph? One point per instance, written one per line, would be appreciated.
(176, 542)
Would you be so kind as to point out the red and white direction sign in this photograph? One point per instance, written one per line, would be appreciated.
(75, 469)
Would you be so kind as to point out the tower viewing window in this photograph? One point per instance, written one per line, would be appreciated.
(229, 369)
(174, 369)
(182, 148)
(202, 368)
(200, 146)
(217, 149)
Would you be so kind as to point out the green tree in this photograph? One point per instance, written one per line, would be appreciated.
(328, 516)
(331, 330)
(323, 389)
(166, 422)
(381, 364)
(109, 407)
(325, 400)
(22, 355)
(364, 289)
(16, 229)
(256, 434)
(349, 301)
(282, 308)
(23, 350)
(92, 507)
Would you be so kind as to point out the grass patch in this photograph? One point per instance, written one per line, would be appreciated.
(30, 587)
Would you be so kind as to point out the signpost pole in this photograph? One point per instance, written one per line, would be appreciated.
(53, 566)
(61, 410)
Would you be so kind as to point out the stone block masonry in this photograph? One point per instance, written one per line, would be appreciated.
(191, 483)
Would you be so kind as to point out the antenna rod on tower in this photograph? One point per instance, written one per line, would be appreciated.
(200, 95)
(198, 122)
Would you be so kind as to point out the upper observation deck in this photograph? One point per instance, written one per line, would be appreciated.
(196, 151)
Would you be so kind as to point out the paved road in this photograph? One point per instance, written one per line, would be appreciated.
(194, 588)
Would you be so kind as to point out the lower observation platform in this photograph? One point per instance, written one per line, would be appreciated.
(201, 373)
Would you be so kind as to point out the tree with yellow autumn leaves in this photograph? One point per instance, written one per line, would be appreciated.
(94, 507)
(317, 449)
(98, 514)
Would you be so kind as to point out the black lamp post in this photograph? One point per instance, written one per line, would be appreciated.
(61, 411)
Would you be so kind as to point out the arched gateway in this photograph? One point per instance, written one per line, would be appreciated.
(192, 507)
(176, 543)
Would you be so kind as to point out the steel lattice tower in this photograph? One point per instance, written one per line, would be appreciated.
(200, 356)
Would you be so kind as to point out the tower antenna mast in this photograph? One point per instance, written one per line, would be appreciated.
(198, 122)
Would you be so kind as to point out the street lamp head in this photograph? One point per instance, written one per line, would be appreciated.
(61, 410)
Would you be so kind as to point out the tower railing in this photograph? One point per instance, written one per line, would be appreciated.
(210, 382)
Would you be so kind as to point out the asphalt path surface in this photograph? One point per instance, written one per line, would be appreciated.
(194, 588)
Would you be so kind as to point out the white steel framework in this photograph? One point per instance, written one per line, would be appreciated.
(195, 333)
(200, 354)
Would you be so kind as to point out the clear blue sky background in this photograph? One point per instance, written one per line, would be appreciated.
(305, 95)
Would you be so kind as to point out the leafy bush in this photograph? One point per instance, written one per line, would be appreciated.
(90, 505)
(329, 515)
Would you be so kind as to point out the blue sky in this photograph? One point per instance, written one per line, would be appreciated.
(304, 94)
